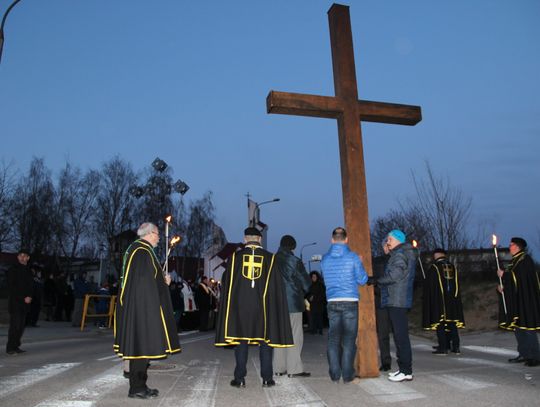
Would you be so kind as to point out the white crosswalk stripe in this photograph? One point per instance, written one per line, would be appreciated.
(461, 382)
(85, 394)
(197, 384)
(492, 350)
(290, 392)
(30, 377)
(388, 392)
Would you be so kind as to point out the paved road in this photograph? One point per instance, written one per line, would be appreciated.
(64, 367)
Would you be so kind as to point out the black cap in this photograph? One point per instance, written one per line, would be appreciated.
(251, 231)
(522, 243)
(439, 250)
(288, 242)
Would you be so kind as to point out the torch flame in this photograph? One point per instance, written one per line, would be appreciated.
(168, 218)
(174, 240)
(494, 240)
(414, 243)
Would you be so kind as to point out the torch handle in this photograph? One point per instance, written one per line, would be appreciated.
(500, 279)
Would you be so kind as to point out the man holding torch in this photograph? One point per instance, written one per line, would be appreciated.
(521, 288)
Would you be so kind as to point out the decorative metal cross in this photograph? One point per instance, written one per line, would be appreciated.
(349, 112)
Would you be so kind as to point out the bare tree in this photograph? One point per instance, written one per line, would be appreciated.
(200, 233)
(114, 208)
(7, 186)
(436, 215)
(75, 206)
(444, 209)
(33, 201)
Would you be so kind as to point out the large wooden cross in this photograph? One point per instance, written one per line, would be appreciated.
(349, 112)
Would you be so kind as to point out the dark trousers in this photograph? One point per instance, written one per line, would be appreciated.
(400, 327)
(448, 336)
(384, 327)
(17, 322)
(265, 357)
(527, 344)
(203, 319)
(138, 374)
(316, 321)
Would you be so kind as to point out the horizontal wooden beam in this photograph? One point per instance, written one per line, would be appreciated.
(388, 113)
(303, 105)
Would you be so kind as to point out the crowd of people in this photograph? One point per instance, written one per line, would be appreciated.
(263, 296)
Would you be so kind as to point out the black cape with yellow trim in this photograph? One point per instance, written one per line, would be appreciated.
(253, 307)
(521, 294)
(441, 296)
(144, 321)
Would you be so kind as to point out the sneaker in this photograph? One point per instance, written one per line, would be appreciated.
(238, 383)
(440, 352)
(394, 373)
(401, 377)
(456, 351)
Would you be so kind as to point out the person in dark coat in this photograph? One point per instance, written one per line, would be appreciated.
(317, 303)
(144, 322)
(20, 286)
(296, 281)
(396, 285)
(521, 289)
(442, 308)
(49, 297)
(37, 297)
(204, 301)
(382, 320)
(253, 308)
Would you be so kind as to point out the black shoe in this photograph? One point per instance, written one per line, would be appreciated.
(440, 352)
(280, 373)
(518, 359)
(238, 383)
(532, 362)
(143, 394)
(126, 374)
(152, 392)
(303, 374)
(456, 351)
(19, 350)
(385, 368)
(268, 383)
(11, 352)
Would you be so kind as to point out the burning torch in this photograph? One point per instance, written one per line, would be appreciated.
(494, 242)
(415, 245)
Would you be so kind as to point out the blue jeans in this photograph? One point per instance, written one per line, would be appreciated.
(342, 331)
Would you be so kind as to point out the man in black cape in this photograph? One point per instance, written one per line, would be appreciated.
(20, 287)
(144, 320)
(521, 290)
(442, 308)
(253, 308)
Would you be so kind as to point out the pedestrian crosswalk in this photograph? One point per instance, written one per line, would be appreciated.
(204, 382)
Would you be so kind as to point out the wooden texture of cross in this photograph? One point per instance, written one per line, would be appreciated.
(349, 112)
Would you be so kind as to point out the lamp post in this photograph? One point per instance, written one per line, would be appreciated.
(254, 216)
(2, 26)
(303, 247)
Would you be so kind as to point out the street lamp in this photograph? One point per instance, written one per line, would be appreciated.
(2, 26)
(255, 215)
(304, 246)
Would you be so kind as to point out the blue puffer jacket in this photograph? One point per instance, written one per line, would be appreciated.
(397, 281)
(343, 271)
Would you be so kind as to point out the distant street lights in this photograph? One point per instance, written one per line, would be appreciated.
(2, 26)
(303, 247)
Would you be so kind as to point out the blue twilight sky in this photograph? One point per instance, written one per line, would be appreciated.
(187, 81)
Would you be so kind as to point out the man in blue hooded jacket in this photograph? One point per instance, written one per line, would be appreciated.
(343, 272)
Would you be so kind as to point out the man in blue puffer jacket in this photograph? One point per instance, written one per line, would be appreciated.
(396, 286)
(343, 272)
